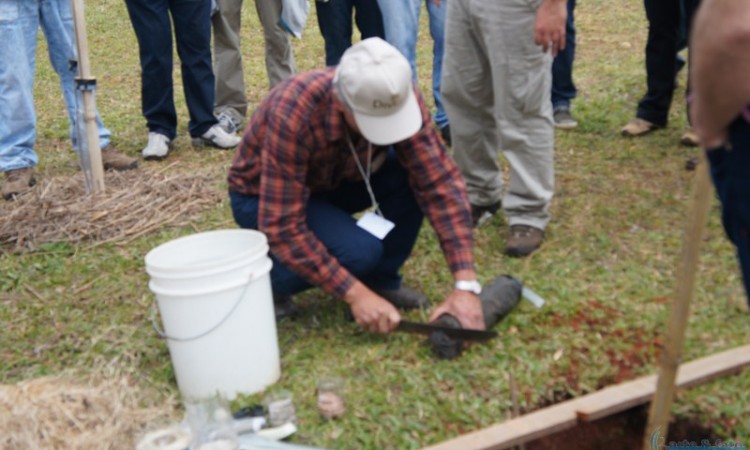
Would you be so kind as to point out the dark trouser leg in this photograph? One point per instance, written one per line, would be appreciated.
(192, 26)
(661, 59)
(563, 88)
(730, 170)
(374, 262)
(369, 19)
(153, 29)
(335, 24)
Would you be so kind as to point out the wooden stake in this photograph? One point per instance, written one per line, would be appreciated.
(659, 413)
(89, 102)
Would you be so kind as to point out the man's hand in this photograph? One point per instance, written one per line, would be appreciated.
(464, 306)
(371, 312)
(549, 29)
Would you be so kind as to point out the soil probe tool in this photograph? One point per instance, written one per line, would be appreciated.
(89, 152)
(658, 416)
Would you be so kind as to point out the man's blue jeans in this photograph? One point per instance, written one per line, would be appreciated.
(329, 216)
(730, 170)
(335, 24)
(19, 25)
(563, 88)
(192, 29)
(401, 23)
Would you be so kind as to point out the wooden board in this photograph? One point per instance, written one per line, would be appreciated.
(596, 405)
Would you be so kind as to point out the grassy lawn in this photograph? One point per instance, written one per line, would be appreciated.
(606, 268)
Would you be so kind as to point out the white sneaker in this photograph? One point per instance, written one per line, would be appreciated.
(229, 122)
(217, 137)
(158, 146)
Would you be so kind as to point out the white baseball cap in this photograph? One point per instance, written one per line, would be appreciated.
(375, 82)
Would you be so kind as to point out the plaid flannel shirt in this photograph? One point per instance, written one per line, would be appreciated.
(295, 145)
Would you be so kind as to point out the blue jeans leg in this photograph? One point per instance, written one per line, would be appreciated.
(563, 87)
(19, 23)
(401, 24)
(437, 31)
(329, 216)
(56, 20)
(153, 29)
(192, 27)
(730, 170)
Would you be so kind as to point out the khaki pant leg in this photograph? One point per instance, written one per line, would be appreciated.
(468, 99)
(279, 57)
(230, 84)
(521, 77)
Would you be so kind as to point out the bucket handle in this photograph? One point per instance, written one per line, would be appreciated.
(163, 335)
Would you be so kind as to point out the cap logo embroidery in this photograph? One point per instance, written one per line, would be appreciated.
(379, 104)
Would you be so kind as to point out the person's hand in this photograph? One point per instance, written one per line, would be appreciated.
(549, 28)
(464, 306)
(371, 312)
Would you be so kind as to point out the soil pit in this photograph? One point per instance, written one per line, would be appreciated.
(623, 431)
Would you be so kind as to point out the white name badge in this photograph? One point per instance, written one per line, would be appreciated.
(376, 225)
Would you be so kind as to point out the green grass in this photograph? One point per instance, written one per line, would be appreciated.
(607, 267)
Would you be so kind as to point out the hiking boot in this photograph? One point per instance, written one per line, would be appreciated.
(283, 307)
(113, 159)
(404, 298)
(523, 240)
(18, 182)
(564, 119)
(229, 122)
(158, 146)
(481, 214)
(689, 138)
(216, 137)
(445, 132)
(639, 127)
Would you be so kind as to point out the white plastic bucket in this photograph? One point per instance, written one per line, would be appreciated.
(217, 312)
(210, 257)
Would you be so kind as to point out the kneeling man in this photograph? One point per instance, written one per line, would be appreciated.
(328, 143)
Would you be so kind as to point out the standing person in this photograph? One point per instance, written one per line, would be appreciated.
(720, 45)
(335, 24)
(231, 100)
(335, 141)
(401, 25)
(496, 89)
(19, 26)
(665, 19)
(563, 88)
(192, 27)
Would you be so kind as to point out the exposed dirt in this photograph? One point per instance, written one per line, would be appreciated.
(622, 431)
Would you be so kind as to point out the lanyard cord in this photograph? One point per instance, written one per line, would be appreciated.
(365, 173)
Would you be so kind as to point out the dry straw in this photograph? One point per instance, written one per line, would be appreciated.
(135, 203)
(58, 413)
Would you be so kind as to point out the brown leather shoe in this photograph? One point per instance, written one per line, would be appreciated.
(113, 159)
(404, 298)
(523, 240)
(639, 127)
(18, 182)
(689, 138)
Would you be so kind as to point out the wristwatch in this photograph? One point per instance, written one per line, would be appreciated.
(468, 286)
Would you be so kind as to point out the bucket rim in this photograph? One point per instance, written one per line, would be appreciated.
(155, 252)
(215, 269)
(157, 290)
